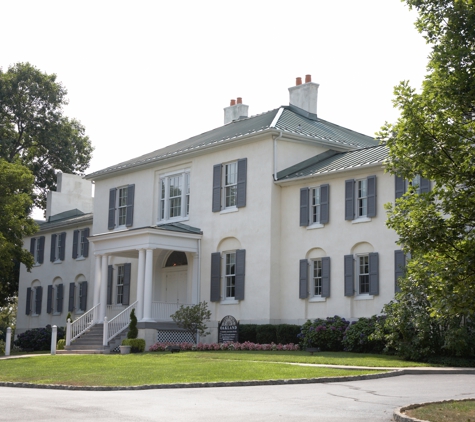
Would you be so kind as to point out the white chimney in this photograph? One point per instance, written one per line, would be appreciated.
(237, 110)
(304, 97)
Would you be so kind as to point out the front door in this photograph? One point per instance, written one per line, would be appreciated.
(176, 287)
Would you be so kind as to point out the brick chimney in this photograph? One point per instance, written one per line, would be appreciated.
(236, 110)
(303, 97)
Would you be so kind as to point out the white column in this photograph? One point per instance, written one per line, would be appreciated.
(195, 294)
(140, 284)
(97, 282)
(147, 305)
(103, 289)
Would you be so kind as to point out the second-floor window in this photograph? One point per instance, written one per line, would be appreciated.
(81, 243)
(229, 185)
(37, 246)
(58, 245)
(175, 196)
(314, 206)
(121, 207)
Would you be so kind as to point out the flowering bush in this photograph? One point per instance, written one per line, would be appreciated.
(359, 336)
(161, 347)
(324, 334)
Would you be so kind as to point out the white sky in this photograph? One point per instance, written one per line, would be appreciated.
(144, 74)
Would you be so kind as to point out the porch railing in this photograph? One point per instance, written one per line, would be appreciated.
(117, 324)
(81, 325)
(161, 311)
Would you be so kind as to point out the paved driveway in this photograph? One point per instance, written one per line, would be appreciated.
(370, 400)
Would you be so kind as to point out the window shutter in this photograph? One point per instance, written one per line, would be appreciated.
(349, 199)
(41, 250)
(324, 204)
(86, 242)
(110, 272)
(111, 219)
(39, 298)
(32, 245)
(349, 276)
(28, 300)
(83, 303)
(399, 268)
(129, 218)
(326, 277)
(62, 243)
(217, 187)
(400, 186)
(303, 279)
(241, 182)
(240, 273)
(49, 299)
(304, 212)
(126, 290)
(72, 286)
(52, 256)
(60, 297)
(374, 273)
(215, 277)
(371, 196)
(75, 243)
(424, 186)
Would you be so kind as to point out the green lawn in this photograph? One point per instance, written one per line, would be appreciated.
(455, 411)
(166, 368)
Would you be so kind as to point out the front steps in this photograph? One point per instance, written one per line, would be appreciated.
(89, 342)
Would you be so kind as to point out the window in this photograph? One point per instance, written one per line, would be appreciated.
(399, 268)
(229, 277)
(77, 297)
(81, 243)
(366, 272)
(175, 196)
(229, 185)
(37, 246)
(319, 276)
(314, 206)
(121, 207)
(402, 185)
(122, 284)
(54, 302)
(58, 243)
(360, 198)
(34, 296)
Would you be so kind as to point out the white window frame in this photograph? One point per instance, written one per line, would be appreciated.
(55, 300)
(37, 251)
(230, 186)
(316, 276)
(361, 196)
(57, 248)
(33, 301)
(164, 206)
(82, 241)
(229, 277)
(121, 206)
(362, 262)
(120, 284)
(315, 207)
(77, 299)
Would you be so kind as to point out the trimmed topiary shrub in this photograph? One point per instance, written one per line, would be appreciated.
(137, 344)
(133, 330)
(359, 337)
(37, 338)
(324, 334)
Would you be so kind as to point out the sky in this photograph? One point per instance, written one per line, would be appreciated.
(145, 74)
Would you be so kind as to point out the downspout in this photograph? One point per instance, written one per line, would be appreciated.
(275, 154)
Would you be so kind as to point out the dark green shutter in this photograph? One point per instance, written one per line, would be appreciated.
(326, 277)
(399, 268)
(85, 253)
(111, 217)
(349, 199)
(371, 195)
(52, 256)
(126, 290)
(303, 279)
(241, 182)
(62, 246)
(41, 251)
(240, 273)
(75, 243)
(110, 274)
(324, 204)
(83, 303)
(72, 287)
(216, 206)
(39, 298)
(215, 295)
(129, 218)
(304, 211)
(28, 300)
(349, 269)
(49, 299)
(399, 186)
(424, 186)
(32, 245)
(60, 298)
(374, 273)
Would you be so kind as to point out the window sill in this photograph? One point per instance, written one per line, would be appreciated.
(228, 210)
(36, 264)
(56, 313)
(229, 302)
(361, 220)
(364, 297)
(172, 220)
(80, 258)
(78, 312)
(316, 299)
(315, 226)
(58, 261)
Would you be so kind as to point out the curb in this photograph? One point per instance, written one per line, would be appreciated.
(399, 415)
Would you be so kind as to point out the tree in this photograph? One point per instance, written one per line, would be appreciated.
(16, 185)
(192, 318)
(34, 131)
(434, 138)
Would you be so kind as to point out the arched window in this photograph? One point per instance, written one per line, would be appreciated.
(176, 259)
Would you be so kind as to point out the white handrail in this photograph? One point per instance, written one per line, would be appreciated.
(117, 324)
(82, 324)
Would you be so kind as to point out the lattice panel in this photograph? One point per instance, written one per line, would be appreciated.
(174, 336)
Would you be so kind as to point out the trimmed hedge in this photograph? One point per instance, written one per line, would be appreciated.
(137, 344)
(37, 338)
(269, 333)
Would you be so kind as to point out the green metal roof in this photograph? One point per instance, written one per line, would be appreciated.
(331, 161)
(65, 218)
(290, 122)
(180, 227)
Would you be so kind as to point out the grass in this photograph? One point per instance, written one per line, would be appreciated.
(163, 368)
(455, 411)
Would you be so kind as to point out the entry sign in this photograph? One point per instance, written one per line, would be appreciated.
(228, 330)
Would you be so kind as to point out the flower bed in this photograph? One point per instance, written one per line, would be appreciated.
(161, 347)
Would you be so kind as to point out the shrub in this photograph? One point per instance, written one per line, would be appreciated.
(359, 337)
(248, 332)
(287, 333)
(266, 333)
(193, 318)
(137, 344)
(324, 334)
(2, 347)
(133, 330)
(37, 338)
(60, 345)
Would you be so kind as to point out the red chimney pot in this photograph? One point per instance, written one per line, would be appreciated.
(233, 102)
(239, 100)
(298, 81)
(308, 78)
